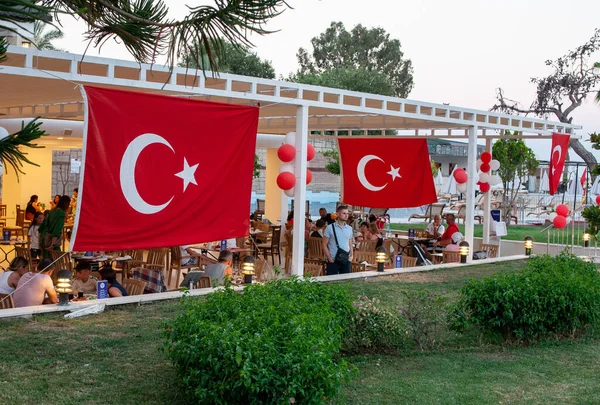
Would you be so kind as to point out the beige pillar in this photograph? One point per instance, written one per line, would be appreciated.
(272, 192)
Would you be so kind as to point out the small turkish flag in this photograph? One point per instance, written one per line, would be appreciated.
(386, 172)
(162, 171)
(560, 146)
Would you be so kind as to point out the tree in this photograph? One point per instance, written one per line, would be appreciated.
(235, 59)
(333, 161)
(43, 40)
(561, 92)
(356, 60)
(516, 160)
(597, 66)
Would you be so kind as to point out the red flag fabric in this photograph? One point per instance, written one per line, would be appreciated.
(386, 172)
(560, 146)
(162, 171)
(583, 178)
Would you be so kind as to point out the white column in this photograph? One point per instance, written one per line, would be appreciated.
(486, 203)
(300, 189)
(470, 195)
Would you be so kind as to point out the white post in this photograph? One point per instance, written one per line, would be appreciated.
(486, 203)
(471, 171)
(300, 190)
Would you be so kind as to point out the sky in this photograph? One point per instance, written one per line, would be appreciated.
(461, 50)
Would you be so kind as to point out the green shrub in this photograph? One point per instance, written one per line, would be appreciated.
(552, 295)
(275, 343)
(426, 318)
(374, 329)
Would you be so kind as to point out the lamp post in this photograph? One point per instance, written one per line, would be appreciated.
(463, 249)
(381, 257)
(586, 239)
(63, 286)
(528, 245)
(248, 265)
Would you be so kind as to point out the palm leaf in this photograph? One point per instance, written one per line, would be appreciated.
(11, 147)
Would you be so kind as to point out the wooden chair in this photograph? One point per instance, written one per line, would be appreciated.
(134, 287)
(272, 248)
(366, 245)
(61, 263)
(19, 224)
(314, 268)
(203, 282)
(157, 259)
(315, 248)
(450, 257)
(2, 214)
(408, 261)
(6, 301)
(176, 259)
(306, 208)
(490, 250)
(259, 269)
(357, 267)
(364, 256)
(289, 251)
(264, 237)
(137, 260)
(260, 209)
(26, 253)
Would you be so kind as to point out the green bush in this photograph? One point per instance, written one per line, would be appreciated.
(552, 295)
(374, 329)
(426, 318)
(275, 343)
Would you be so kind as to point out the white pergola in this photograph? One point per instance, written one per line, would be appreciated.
(44, 83)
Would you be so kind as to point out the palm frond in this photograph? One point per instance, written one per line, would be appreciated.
(11, 147)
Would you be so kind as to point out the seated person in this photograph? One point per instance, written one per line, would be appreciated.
(451, 236)
(84, 282)
(375, 234)
(372, 219)
(115, 289)
(35, 285)
(216, 271)
(326, 217)
(434, 230)
(319, 228)
(10, 278)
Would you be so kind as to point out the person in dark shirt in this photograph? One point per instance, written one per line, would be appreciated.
(325, 216)
(319, 228)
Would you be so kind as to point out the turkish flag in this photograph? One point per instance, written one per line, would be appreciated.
(386, 172)
(560, 146)
(162, 171)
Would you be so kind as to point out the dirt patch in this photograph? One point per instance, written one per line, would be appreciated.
(50, 326)
(411, 278)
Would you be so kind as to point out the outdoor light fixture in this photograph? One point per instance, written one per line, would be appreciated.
(248, 268)
(63, 287)
(26, 44)
(380, 257)
(586, 239)
(463, 249)
(528, 245)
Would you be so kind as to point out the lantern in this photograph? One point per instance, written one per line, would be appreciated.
(63, 286)
(463, 249)
(586, 239)
(248, 265)
(381, 257)
(528, 245)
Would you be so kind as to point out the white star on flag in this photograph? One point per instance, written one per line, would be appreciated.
(187, 174)
(394, 172)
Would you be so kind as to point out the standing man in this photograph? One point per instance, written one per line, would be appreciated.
(338, 263)
(325, 216)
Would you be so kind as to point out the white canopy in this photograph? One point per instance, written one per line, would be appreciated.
(545, 182)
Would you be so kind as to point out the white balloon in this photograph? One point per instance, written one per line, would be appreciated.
(462, 187)
(495, 179)
(290, 138)
(552, 216)
(478, 164)
(3, 133)
(287, 167)
(494, 164)
(568, 220)
(485, 178)
(290, 192)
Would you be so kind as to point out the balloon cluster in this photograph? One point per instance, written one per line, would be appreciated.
(461, 178)
(286, 180)
(560, 217)
(485, 165)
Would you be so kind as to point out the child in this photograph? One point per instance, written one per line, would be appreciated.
(33, 235)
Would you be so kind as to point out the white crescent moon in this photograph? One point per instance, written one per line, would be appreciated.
(127, 175)
(558, 149)
(360, 171)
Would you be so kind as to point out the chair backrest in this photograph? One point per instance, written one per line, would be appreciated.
(24, 252)
(175, 256)
(261, 238)
(450, 257)
(357, 267)
(490, 250)
(241, 242)
(6, 301)
(315, 248)
(289, 240)
(314, 268)
(260, 206)
(134, 287)
(275, 236)
(157, 256)
(2, 210)
(408, 261)
(366, 245)
(204, 282)
(20, 220)
(259, 269)
(437, 209)
(63, 263)
(364, 256)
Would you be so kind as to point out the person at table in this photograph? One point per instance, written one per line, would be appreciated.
(319, 229)
(325, 216)
(32, 207)
(375, 234)
(435, 229)
(451, 236)
(33, 235)
(10, 278)
(51, 229)
(221, 269)
(84, 281)
(54, 202)
(36, 287)
(343, 232)
(115, 289)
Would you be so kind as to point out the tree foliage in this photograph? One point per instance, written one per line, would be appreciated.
(42, 38)
(333, 161)
(234, 59)
(561, 92)
(362, 59)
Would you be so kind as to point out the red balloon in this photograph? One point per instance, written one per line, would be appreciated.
(484, 187)
(460, 176)
(562, 210)
(310, 152)
(308, 176)
(286, 180)
(560, 222)
(486, 157)
(485, 167)
(598, 199)
(286, 153)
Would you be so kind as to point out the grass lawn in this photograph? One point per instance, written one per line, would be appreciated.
(115, 358)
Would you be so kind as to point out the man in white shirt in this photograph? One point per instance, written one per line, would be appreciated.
(435, 229)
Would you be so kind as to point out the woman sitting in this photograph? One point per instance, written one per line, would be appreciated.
(114, 288)
(10, 278)
(54, 202)
(32, 207)
(375, 234)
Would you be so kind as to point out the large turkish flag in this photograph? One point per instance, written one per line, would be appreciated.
(560, 146)
(386, 172)
(162, 171)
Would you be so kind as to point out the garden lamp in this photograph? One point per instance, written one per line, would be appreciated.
(248, 265)
(586, 239)
(63, 286)
(380, 257)
(528, 245)
(463, 249)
